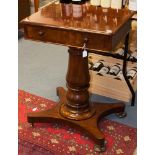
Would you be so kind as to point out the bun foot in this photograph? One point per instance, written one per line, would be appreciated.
(100, 148)
(32, 125)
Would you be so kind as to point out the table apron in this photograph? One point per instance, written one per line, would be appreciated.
(73, 38)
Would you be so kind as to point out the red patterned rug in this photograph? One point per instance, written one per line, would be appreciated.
(60, 139)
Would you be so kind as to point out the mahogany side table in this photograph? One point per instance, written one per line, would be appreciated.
(97, 29)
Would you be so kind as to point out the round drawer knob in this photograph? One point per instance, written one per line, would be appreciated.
(41, 33)
(85, 40)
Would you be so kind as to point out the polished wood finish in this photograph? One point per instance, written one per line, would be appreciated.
(51, 24)
(89, 126)
(77, 106)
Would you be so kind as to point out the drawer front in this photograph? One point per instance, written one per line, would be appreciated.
(68, 37)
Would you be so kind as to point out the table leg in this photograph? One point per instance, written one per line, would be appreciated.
(74, 107)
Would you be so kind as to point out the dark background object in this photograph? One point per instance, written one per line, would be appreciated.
(23, 10)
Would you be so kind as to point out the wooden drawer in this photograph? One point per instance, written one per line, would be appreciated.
(107, 85)
(45, 34)
(72, 38)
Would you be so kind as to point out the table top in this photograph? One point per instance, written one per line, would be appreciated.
(89, 18)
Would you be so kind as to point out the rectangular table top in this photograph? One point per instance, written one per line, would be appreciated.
(91, 19)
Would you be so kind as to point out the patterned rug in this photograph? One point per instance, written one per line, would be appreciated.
(60, 139)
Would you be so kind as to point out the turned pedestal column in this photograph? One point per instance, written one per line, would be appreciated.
(77, 106)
